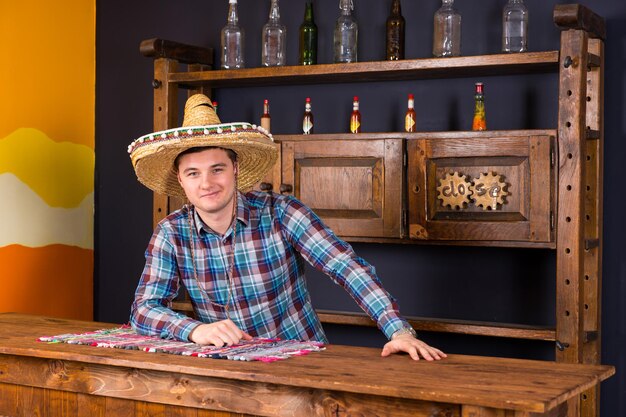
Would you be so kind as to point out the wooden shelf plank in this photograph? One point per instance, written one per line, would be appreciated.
(516, 331)
(460, 134)
(423, 68)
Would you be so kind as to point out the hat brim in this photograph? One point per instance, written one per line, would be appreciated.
(153, 155)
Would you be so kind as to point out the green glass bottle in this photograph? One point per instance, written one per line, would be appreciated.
(308, 37)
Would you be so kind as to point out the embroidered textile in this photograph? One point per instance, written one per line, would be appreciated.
(124, 337)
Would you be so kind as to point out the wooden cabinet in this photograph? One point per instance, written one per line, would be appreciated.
(479, 186)
(355, 185)
(539, 188)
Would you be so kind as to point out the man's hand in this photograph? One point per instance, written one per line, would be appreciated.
(414, 347)
(220, 333)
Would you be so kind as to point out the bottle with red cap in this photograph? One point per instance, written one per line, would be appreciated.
(355, 117)
(265, 117)
(307, 120)
(410, 117)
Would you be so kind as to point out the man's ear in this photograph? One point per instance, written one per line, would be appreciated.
(236, 168)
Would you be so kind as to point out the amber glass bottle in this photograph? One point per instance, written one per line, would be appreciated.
(355, 117)
(395, 33)
(307, 120)
(480, 120)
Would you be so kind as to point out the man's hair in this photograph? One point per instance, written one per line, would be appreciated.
(232, 155)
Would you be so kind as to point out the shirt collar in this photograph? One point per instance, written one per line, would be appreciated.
(243, 216)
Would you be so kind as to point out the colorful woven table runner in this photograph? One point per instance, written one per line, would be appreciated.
(124, 337)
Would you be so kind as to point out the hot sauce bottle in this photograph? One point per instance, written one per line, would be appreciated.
(410, 117)
(307, 120)
(265, 117)
(355, 117)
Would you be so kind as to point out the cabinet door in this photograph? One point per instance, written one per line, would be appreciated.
(354, 185)
(498, 188)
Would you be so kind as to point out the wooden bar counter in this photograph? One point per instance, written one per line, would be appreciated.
(41, 379)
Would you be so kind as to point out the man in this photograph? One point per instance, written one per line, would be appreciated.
(241, 256)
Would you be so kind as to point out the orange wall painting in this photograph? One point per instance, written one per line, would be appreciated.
(47, 160)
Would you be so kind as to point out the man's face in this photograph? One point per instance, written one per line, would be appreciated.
(208, 179)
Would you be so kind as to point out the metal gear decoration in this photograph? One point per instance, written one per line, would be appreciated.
(454, 190)
(489, 191)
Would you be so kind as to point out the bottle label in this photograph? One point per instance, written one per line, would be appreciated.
(355, 125)
(307, 126)
(409, 123)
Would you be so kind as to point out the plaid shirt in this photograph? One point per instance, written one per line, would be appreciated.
(268, 294)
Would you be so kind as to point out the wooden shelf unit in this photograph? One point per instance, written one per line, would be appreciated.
(575, 164)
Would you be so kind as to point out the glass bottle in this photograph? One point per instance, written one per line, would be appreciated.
(215, 106)
(232, 40)
(355, 117)
(308, 37)
(265, 117)
(447, 32)
(273, 39)
(410, 118)
(307, 120)
(395, 33)
(480, 120)
(514, 26)
(346, 34)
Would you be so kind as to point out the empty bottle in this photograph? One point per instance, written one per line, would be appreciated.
(346, 34)
(232, 40)
(447, 32)
(514, 26)
(395, 33)
(308, 37)
(273, 40)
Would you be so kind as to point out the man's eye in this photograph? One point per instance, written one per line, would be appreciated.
(217, 170)
(192, 174)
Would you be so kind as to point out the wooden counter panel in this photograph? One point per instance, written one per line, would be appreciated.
(354, 376)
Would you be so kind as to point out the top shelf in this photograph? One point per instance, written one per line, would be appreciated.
(409, 69)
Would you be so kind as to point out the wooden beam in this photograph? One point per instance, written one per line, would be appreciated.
(187, 54)
(576, 16)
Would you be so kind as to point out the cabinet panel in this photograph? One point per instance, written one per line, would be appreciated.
(497, 188)
(355, 186)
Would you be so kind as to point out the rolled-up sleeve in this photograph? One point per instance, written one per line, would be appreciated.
(151, 313)
(336, 258)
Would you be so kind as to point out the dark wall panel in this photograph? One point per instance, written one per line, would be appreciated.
(455, 282)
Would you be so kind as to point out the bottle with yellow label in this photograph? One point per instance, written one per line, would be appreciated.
(355, 117)
(410, 116)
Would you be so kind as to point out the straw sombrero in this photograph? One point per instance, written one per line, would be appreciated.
(153, 155)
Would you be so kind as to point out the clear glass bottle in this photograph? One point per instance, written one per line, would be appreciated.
(355, 117)
(480, 120)
(232, 40)
(307, 119)
(308, 37)
(395, 33)
(447, 31)
(410, 117)
(265, 117)
(273, 39)
(514, 27)
(346, 34)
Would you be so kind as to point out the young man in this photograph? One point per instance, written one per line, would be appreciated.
(241, 256)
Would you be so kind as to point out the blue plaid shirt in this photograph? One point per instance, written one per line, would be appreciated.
(268, 294)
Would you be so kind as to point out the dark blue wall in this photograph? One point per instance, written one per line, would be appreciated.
(490, 284)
